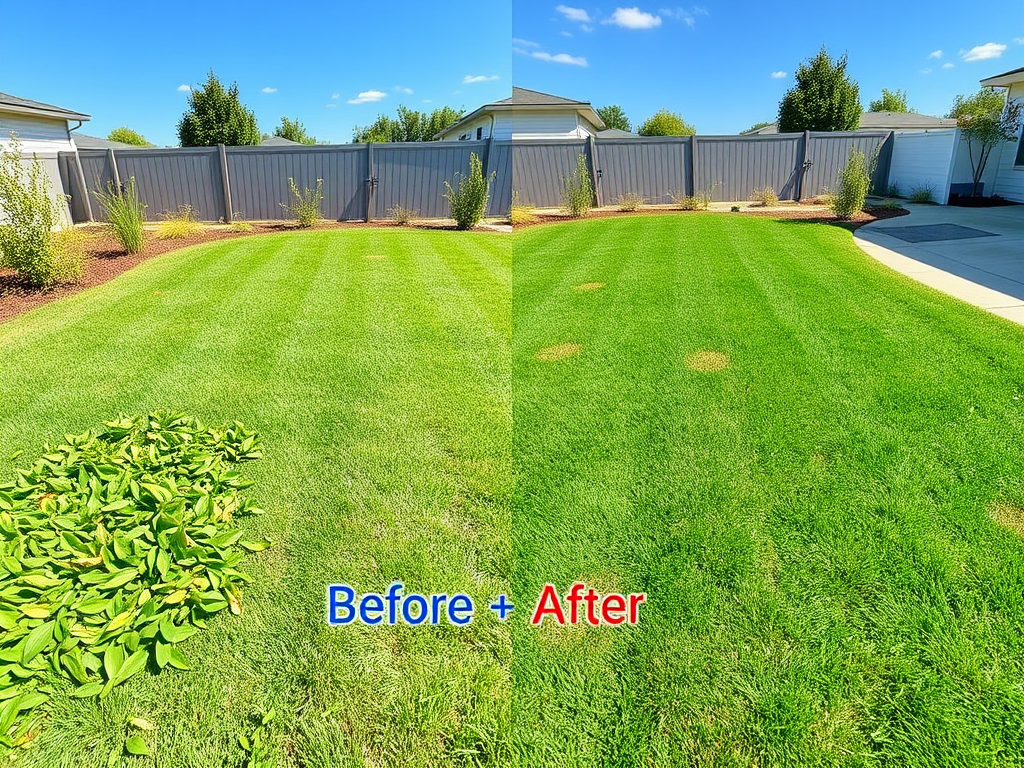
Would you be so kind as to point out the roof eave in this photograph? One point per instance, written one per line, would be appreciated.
(57, 114)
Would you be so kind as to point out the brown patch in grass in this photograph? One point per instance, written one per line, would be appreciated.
(707, 361)
(557, 352)
(1009, 516)
(375, 256)
(589, 286)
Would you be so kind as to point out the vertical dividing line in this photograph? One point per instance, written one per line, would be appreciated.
(593, 170)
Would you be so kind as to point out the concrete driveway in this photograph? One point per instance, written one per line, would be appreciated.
(974, 254)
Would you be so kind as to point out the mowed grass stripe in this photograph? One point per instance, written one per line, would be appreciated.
(826, 585)
(386, 460)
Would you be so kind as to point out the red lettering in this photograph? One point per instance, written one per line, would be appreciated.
(591, 599)
(635, 599)
(613, 609)
(548, 605)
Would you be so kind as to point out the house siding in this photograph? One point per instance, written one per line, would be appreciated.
(36, 134)
(924, 160)
(1009, 179)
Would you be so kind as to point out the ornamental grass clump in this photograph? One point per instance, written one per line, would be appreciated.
(854, 180)
(33, 239)
(578, 191)
(468, 201)
(116, 546)
(125, 214)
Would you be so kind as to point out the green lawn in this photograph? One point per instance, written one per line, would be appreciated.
(382, 390)
(813, 524)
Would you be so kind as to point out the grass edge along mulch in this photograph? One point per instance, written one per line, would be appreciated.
(115, 546)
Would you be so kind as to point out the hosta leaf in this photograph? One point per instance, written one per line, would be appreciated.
(134, 745)
(37, 640)
(87, 691)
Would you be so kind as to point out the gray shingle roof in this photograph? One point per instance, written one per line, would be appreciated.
(882, 121)
(82, 141)
(27, 105)
(523, 97)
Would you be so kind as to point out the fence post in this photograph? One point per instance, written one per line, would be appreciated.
(487, 166)
(693, 164)
(222, 151)
(369, 179)
(593, 170)
(82, 184)
(802, 167)
(113, 164)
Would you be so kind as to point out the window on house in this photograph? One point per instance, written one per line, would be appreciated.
(1018, 161)
(479, 133)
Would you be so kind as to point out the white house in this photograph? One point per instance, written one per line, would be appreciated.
(43, 130)
(1009, 170)
(527, 116)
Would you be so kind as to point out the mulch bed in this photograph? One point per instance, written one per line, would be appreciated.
(105, 259)
(811, 213)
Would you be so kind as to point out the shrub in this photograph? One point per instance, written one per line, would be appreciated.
(306, 208)
(520, 214)
(239, 224)
(735, 209)
(578, 191)
(179, 224)
(892, 189)
(29, 242)
(401, 216)
(468, 201)
(700, 201)
(854, 180)
(922, 194)
(765, 197)
(630, 201)
(125, 214)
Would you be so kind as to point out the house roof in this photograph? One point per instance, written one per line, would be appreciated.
(278, 141)
(9, 103)
(881, 121)
(95, 142)
(1005, 79)
(524, 98)
(616, 133)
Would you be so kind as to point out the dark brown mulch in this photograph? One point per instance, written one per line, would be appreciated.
(810, 213)
(106, 260)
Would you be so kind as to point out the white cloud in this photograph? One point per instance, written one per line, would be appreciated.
(926, 71)
(268, 89)
(573, 14)
(982, 52)
(185, 88)
(558, 58)
(470, 79)
(524, 43)
(778, 74)
(1019, 40)
(427, 101)
(367, 97)
(935, 54)
(331, 106)
(565, 34)
(948, 65)
(683, 15)
(403, 89)
(633, 18)
(335, 95)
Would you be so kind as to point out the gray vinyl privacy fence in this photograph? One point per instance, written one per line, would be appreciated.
(364, 181)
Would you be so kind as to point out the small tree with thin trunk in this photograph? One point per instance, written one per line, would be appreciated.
(613, 116)
(985, 119)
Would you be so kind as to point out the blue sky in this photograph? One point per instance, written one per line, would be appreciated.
(124, 63)
(725, 65)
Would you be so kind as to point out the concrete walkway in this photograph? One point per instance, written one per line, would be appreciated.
(980, 259)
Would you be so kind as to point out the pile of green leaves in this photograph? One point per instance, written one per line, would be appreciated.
(115, 546)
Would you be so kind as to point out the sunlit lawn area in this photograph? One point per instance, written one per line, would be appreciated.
(375, 364)
(814, 467)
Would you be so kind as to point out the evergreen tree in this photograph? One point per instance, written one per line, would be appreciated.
(824, 98)
(215, 115)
